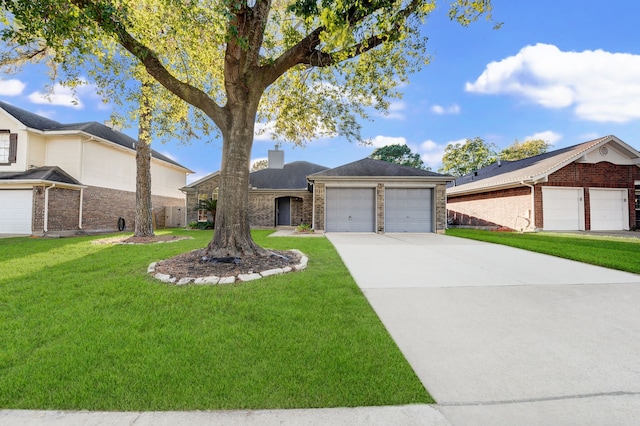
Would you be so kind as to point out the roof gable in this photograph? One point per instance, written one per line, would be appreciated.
(291, 176)
(47, 173)
(537, 168)
(370, 167)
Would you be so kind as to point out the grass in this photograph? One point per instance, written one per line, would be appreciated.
(611, 252)
(82, 326)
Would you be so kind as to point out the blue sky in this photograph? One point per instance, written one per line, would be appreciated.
(562, 71)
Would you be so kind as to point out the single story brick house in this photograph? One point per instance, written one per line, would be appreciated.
(278, 195)
(364, 196)
(594, 186)
(68, 178)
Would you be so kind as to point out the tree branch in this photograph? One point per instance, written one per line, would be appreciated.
(306, 52)
(152, 64)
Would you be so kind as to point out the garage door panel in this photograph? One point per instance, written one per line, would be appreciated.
(562, 209)
(350, 209)
(16, 211)
(609, 210)
(408, 209)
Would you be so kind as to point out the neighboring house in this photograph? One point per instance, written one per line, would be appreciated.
(65, 178)
(591, 186)
(278, 195)
(377, 196)
(364, 196)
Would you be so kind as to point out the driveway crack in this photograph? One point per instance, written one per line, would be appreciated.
(542, 399)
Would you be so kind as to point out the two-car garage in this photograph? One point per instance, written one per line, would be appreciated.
(371, 195)
(565, 209)
(354, 210)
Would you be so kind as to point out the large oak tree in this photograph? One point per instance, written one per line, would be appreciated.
(308, 68)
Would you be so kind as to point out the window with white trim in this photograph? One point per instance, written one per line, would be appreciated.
(8, 147)
(202, 214)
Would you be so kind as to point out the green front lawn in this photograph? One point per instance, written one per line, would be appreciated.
(610, 252)
(82, 326)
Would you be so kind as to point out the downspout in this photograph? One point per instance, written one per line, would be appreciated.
(533, 204)
(80, 208)
(45, 227)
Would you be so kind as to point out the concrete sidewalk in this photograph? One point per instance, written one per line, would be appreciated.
(410, 415)
(502, 336)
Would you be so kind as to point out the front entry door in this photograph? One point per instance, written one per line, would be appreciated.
(283, 211)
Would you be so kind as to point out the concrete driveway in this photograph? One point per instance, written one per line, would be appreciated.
(502, 336)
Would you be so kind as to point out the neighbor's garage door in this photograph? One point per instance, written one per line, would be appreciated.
(407, 209)
(15, 211)
(609, 209)
(562, 209)
(351, 209)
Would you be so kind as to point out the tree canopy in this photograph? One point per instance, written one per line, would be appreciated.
(308, 68)
(526, 149)
(399, 154)
(466, 157)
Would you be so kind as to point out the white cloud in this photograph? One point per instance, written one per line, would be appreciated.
(431, 153)
(11, 87)
(599, 86)
(548, 136)
(264, 131)
(440, 110)
(380, 141)
(62, 96)
(255, 160)
(395, 111)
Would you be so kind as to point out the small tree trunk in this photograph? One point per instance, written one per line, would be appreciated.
(232, 232)
(144, 209)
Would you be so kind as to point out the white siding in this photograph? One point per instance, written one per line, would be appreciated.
(108, 167)
(166, 180)
(37, 150)
(64, 152)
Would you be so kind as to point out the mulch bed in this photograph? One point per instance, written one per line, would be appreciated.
(195, 264)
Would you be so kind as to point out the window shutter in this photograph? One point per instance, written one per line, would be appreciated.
(13, 147)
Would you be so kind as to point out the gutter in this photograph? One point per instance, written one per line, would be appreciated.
(533, 204)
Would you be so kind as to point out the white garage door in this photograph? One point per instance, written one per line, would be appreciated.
(350, 210)
(609, 209)
(562, 209)
(407, 210)
(15, 211)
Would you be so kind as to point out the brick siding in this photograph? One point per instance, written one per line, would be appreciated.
(494, 206)
(509, 208)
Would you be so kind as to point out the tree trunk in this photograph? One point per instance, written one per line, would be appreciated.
(144, 210)
(232, 236)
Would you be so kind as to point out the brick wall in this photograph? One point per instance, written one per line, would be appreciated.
(318, 194)
(441, 207)
(380, 194)
(509, 208)
(599, 175)
(64, 208)
(205, 188)
(103, 206)
(494, 206)
(262, 207)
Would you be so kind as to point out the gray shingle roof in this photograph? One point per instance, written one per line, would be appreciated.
(291, 176)
(510, 173)
(94, 128)
(371, 167)
(47, 173)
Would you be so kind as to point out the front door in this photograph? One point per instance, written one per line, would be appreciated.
(283, 211)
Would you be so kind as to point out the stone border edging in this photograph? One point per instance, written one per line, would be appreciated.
(213, 280)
